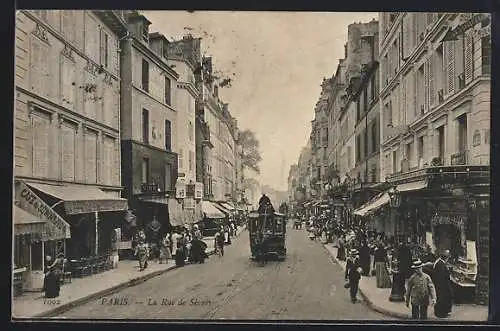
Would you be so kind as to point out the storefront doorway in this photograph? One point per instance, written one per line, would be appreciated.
(448, 237)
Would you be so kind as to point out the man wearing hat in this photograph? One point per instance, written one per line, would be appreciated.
(420, 293)
(353, 273)
(441, 279)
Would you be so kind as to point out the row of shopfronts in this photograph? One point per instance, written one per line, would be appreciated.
(446, 208)
(82, 221)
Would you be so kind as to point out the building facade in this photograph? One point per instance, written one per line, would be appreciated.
(148, 129)
(435, 92)
(67, 181)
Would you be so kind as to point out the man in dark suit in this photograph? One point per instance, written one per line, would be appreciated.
(441, 279)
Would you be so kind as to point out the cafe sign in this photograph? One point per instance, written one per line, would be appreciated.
(33, 204)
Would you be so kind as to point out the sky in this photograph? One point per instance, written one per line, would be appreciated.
(277, 61)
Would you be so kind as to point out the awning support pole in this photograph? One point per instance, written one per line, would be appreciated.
(96, 233)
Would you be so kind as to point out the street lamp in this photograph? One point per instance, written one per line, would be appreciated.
(398, 280)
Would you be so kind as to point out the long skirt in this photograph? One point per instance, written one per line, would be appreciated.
(341, 253)
(51, 286)
(383, 279)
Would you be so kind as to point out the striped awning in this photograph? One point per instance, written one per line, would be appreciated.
(26, 223)
(222, 208)
(376, 203)
(210, 211)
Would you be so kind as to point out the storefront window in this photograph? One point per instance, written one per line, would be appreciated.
(36, 256)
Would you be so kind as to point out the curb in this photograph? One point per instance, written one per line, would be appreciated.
(370, 303)
(133, 282)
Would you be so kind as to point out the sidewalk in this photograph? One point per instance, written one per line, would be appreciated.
(378, 300)
(82, 290)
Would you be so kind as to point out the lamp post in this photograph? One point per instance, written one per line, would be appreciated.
(398, 280)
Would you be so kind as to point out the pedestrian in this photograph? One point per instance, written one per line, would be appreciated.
(175, 238)
(165, 252)
(441, 279)
(52, 278)
(420, 293)
(219, 242)
(353, 274)
(380, 264)
(405, 259)
(428, 259)
(141, 251)
(365, 258)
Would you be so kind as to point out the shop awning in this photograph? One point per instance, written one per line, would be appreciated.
(82, 199)
(210, 211)
(415, 186)
(220, 207)
(381, 200)
(158, 200)
(26, 223)
(28, 201)
(227, 205)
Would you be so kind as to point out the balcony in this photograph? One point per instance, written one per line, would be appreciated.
(460, 158)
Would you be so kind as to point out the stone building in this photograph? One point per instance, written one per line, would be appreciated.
(149, 129)
(434, 94)
(67, 136)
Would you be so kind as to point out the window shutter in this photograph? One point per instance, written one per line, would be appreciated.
(469, 60)
(91, 156)
(68, 152)
(406, 35)
(40, 127)
(426, 87)
(450, 63)
(403, 98)
(35, 70)
(432, 90)
(68, 82)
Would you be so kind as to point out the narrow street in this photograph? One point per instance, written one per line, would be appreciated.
(307, 285)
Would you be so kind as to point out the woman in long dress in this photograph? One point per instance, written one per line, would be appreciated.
(341, 249)
(380, 264)
(52, 279)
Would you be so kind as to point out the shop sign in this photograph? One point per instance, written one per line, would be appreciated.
(190, 190)
(180, 189)
(453, 34)
(198, 190)
(32, 203)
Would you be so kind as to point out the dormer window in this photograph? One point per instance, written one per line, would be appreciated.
(145, 32)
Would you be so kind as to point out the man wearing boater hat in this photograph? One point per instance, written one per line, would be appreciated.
(420, 293)
(353, 273)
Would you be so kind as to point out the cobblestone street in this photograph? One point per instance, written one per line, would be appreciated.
(307, 285)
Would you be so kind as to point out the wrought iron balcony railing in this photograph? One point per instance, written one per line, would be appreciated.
(460, 158)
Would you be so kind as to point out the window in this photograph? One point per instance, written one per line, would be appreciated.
(420, 107)
(109, 161)
(365, 100)
(190, 130)
(68, 83)
(145, 126)
(40, 130)
(68, 23)
(462, 132)
(440, 132)
(168, 135)
(373, 87)
(145, 32)
(168, 92)
(68, 140)
(374, 136)
(39, 67)
(394, 162)
(365, 143)
(91, 156)
(388, 112)
(191, 160)
(104, 49)
(181, 159)
(145, 170)
(358, 110)
(168, 177)
(145, 75)
(486, 55)
(409, 153)
(358, 149)
(420, 149)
